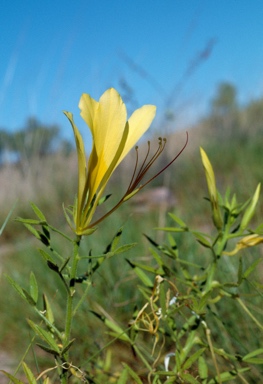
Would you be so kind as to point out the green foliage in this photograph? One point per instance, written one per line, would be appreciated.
(190, 295)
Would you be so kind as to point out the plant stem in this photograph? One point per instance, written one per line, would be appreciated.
(70, 295)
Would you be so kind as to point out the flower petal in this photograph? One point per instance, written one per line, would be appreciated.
(139, 122)
(107, 120)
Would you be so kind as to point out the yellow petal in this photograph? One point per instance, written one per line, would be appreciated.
(139, 122)
(107, 120)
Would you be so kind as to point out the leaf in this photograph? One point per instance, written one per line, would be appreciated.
(189, 362)
(7, 218)
(201, 239)
(29, 298)
(119, 333)
(226, 376)
(124, 248)
(139, 272)
(37, 211)
(252, 354)
(251, 268)
(29, 221)
(11, 377)
(44, 335)
(189, 378)
(123, 377)
(32, 230)
(29, 374)
(47, 349)
(33, 287)
(249, 213)
(133, 374)
(202, 369)
(17, 287)
(178, 220)
(66, 348)
(48, 311)
(46, 256)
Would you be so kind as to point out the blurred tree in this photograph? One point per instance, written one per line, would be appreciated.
(224, 115)
(4, 140)
(33, 142)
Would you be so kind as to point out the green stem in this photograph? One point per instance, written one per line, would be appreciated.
(70, 295)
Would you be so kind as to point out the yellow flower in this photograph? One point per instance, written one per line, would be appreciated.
(113, 137)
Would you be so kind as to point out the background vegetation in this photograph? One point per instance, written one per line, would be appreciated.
(37, 166)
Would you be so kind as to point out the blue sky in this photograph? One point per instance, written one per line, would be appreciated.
(171, 53)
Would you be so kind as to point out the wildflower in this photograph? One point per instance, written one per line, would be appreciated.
(113, 137)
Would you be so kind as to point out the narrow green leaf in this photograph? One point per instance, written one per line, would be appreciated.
(240, 271)
(29, 221)
(251, 268)
(44, 335)
(37, 211)
(178, 220)
(116, 240)
(11, 377)
(47, 349)
(249, 213)
(48, 311)
(142, 276)
(7, 218)
(17, 287)
(32, 230)
(29, 374)
(33, 287)
(133, 374)
(124, 248)
(253, 354)
(123, 377)
(201, 239)
(226, 376)
(255, 360)
(46, 256)
(29, 298)
(189, 362)
(66, 348)
(202, 369)
(170, 229)
(189, 378)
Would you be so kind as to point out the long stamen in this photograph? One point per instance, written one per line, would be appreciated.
(133, 184)
(144, 168)
(168, 165)
(135, 167)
